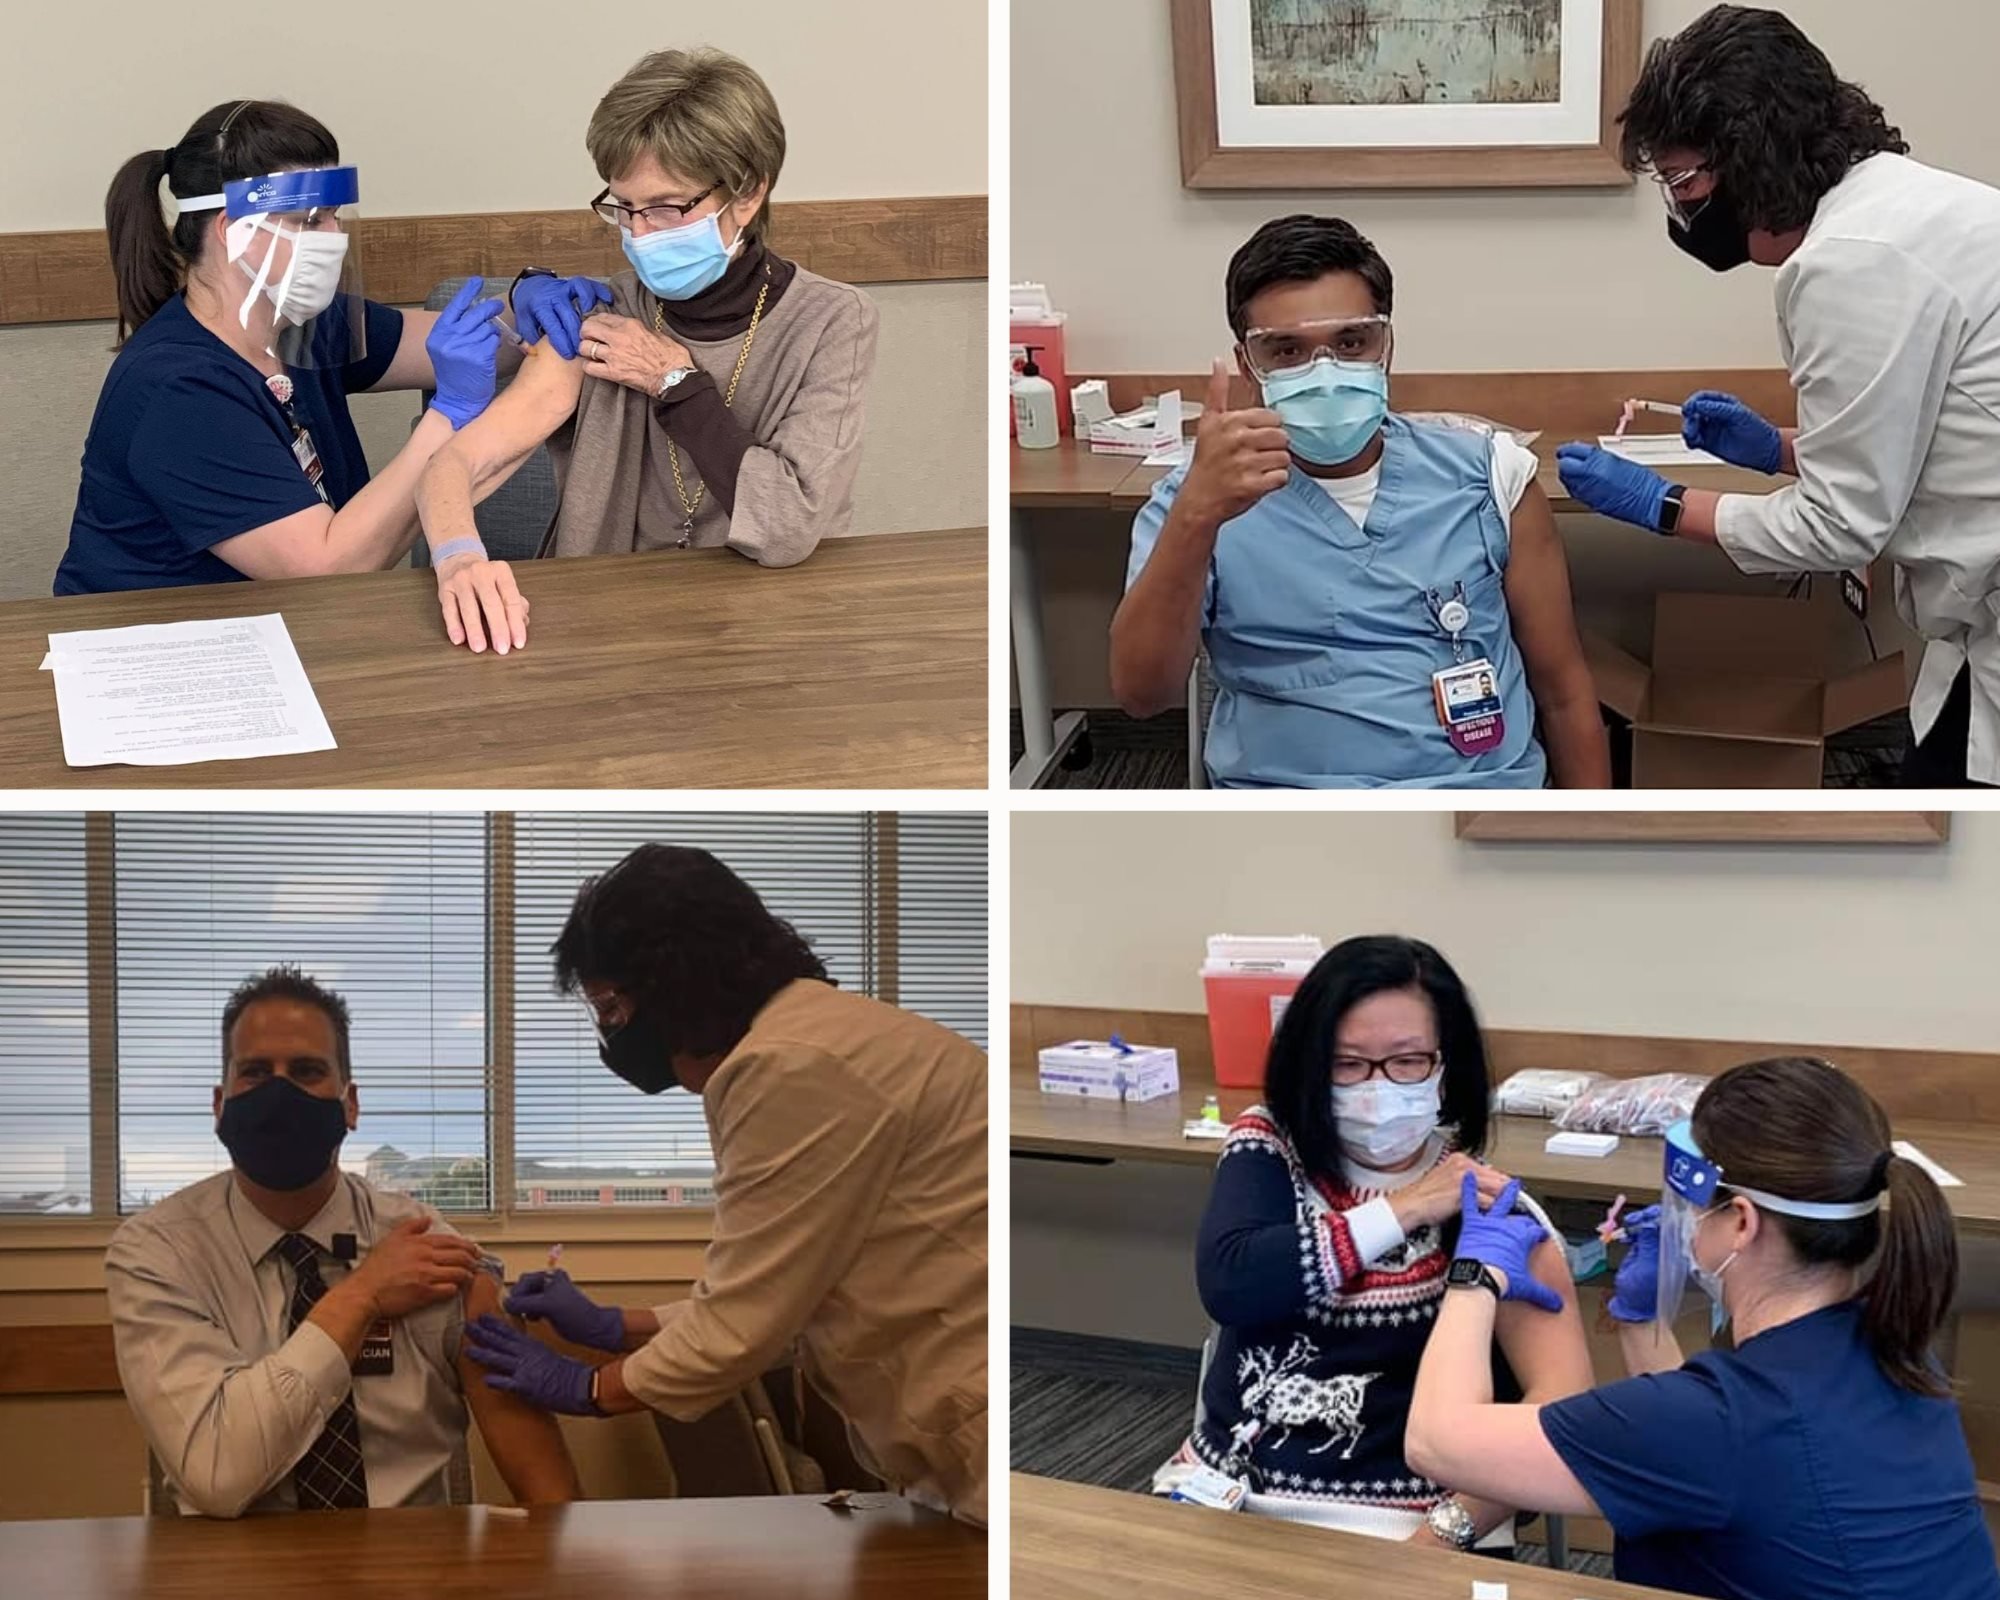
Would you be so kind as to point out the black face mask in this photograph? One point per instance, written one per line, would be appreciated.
(641, 1054)
(279, 1135)
(1716, 238)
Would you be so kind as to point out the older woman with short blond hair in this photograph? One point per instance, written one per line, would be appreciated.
(730, 382)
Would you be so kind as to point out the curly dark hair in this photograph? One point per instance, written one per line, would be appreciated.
(675, 930)
(288, 982)
(1300, 249)
(1763, 105)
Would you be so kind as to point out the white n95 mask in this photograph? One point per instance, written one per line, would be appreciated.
(1387, 1122)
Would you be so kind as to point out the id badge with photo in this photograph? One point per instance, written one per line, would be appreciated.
(306, 453)
(1469, 706)
(1207, 1487)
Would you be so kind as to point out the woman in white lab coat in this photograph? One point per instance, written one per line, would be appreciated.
(1888, 297)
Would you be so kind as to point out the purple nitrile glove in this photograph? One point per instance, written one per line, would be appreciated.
(1635, 1292)
(464, 347)
(1724, 426)
(1612, 486)
(1503, 1239)
(551, 1297)
(557, 307)
(518, 1363)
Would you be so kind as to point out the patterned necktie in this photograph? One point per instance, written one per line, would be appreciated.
(330, 1475)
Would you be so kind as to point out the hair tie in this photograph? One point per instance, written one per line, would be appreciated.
(1878, 1175)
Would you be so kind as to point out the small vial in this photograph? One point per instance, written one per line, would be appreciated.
(1211, 1109)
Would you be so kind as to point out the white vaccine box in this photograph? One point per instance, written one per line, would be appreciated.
(1101, 1071)
(1581, 1144)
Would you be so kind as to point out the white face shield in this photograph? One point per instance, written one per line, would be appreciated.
(288, 235)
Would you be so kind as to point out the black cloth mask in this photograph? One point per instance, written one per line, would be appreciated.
(1716, 237)
(641, 1054)
(279, 1135)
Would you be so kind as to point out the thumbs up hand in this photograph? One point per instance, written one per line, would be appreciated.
(1239, 456)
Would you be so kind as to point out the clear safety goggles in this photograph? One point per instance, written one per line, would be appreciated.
(1362, 341)
(1679, 206)
(1692, 1186)
(289, 235)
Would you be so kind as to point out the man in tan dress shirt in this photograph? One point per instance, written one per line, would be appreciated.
(288, 1335)
(850, 1153)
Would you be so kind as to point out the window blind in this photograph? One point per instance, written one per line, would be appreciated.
(44, 1017)
(582, 1137)
(941, 918)
(389, 911)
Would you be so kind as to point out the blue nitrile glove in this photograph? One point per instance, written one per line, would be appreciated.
(518, 1363)
(1613, 486)
(1635, 1292)
(551, 1297)
(1503, 1238)
(557, 307)
(464, 347)
(1724, 426)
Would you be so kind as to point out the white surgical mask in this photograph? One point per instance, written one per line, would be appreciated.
(307, 287)
(1387, 1122)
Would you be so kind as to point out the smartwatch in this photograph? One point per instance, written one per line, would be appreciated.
(1466, 1273)
(1671, 509)
(528, 272)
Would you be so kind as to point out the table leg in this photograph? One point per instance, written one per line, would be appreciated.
(1045, 736)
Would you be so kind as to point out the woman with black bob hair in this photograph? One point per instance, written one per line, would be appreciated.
(1323, 1252)
(849, 1140)
(1888, 302)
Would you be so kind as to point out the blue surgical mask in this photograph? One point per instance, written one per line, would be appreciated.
(678, 263)
(1330, 409)
(1710, 1282)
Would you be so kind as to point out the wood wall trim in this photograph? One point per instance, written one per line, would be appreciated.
(1563, 405)
(1703, 827)
(1919, 1085)
(65, 276)
(59, 1358)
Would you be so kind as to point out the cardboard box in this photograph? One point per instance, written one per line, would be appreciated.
(1742, 691)
(1101, 1071)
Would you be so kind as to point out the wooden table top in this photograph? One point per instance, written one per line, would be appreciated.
(1070, 476)
(1076, 1543)
(1066, 1125)
(744, 1549)
(864, 667)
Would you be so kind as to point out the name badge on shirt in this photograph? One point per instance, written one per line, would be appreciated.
(306, 453)
(378, 1352)
(1469, 706)
(1206, 1487)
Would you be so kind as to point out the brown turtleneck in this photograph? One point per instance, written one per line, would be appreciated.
(693, 413)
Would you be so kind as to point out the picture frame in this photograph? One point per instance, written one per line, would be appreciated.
(1922, 828)
(1239, 129)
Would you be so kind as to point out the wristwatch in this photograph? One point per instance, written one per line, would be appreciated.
(1453, 1524)
(1672, 508)
(1467, 1273)
(673, 380)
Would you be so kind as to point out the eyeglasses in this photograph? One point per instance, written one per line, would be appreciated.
(1408, 1068)
(1682, 211)
(1270, 351)
(656, 216)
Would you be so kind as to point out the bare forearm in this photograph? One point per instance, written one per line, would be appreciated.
(1698, 516)
(1648, 1347)
(1158, 626)
(377, 527)
(1579, 750)
(641, 1323)
(444, 500)
(612, 1396)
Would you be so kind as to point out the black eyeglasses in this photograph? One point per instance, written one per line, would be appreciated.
(1407, 1068)
(622, 216)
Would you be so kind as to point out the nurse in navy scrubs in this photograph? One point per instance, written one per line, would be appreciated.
(222, 447)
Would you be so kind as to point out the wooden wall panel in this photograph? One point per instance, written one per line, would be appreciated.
(66, 276)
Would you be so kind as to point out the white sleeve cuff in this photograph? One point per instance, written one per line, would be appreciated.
(1741, 531)
(318, 1362)
(1374, 1229)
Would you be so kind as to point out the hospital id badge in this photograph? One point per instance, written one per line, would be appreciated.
(1207, 1487)
(306, 453)
(1468, 705)
(378, 1352)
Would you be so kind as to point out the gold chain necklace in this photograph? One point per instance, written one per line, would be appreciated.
(690, 507)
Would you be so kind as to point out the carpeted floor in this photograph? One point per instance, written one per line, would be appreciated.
(1129, 754)
(1107, 1412)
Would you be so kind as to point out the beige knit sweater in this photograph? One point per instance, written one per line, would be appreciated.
(802, 396)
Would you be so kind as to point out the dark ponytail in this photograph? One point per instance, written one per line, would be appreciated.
(1803, 1129)
(237, 139)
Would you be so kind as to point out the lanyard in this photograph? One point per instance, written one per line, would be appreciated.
(1453, 616)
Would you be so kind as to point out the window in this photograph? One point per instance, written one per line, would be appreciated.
(479, 1088)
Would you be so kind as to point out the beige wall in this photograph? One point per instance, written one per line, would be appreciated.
(445, 110)
(1487, 281)
(1873, 946)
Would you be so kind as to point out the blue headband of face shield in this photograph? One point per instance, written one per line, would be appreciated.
(278, 193)
(1696, 1179)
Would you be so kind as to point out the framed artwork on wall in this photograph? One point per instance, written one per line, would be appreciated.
(1703, 827)
(1403, 94)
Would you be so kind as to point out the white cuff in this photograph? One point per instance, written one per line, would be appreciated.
(1374, 1229)
(312, 1355)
